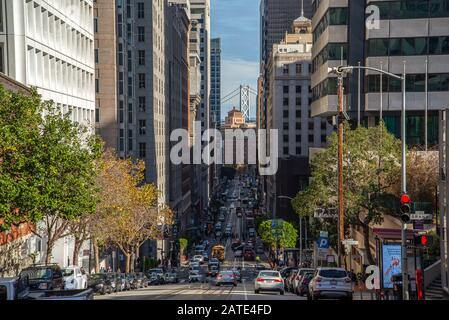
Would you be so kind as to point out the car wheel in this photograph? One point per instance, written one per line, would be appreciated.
(282, 292)
(256, 291)
(350, 297)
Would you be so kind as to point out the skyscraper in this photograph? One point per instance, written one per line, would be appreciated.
(215, 93)
(51, 47)
(414, 34)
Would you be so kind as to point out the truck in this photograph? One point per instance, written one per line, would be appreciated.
(18, 288)
(218, 252)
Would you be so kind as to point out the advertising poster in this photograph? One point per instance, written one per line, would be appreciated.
(391, 263)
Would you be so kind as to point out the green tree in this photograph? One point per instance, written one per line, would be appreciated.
(183, 244)
(284, 235)
(371, 170)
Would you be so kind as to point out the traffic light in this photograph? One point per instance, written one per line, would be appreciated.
(405, 208)
(423, 240)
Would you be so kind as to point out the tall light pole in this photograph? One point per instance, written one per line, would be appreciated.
(340, 72)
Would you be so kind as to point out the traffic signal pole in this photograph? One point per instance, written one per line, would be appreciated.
(405, 292)
(341, 213)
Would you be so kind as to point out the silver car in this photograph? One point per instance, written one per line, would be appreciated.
(333, 283)
(269, 280)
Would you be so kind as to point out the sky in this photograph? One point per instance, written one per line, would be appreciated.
(236, 22)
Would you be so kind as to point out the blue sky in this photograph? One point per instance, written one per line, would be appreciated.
(236, 22)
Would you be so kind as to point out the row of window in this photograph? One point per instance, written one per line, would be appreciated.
(413, 9)
(311, 139)
(414, 83)
(298, 69)
(298, 126)
(332, 51)
(298, 101)
(333, 16)
(408, 46)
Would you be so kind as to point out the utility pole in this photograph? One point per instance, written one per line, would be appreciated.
(341, 213)
(405, 293)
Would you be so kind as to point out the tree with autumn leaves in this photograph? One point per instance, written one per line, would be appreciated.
(128, 213)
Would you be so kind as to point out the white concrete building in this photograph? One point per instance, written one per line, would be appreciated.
(50, 45)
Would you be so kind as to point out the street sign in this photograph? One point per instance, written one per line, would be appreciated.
(324, 234)
(323, 243)
(420, 215)
(350, 242)
(322, 213)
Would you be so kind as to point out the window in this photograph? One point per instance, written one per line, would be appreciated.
(285, 70)
(285, 150)
(285, 102)
(3, 293)
(298, 89)
(298, 125)
(285, 126)
(298, 151)
(298, 113)
(142, 127)
(285, 113)
(121, 112)
(97, 115)
(324, 125)
(97, 85)
(142, 81)
(141, 57)
(323, 138)
(96, 56)
(142, 104)
(141, 34)
(130, 113)
(298, 138)
(142, 150)
(311, 139)
(130, 140)
(298, 68)
(286, 89)
(141, 10)
(298, 101)
(311, 126)
(285, 138)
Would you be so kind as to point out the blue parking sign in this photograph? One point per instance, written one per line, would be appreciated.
(323, 243)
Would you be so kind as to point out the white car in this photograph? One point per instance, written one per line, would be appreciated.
(269, 280)
(333, 283)
(74, 278)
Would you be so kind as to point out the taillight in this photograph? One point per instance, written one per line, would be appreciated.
(259, 280)
(278, 280)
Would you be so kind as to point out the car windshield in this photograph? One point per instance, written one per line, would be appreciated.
(332, 273)
(269, 274)
(155, 271)
(303, 272)
(67, 272)
(38, 273)
(227, 273)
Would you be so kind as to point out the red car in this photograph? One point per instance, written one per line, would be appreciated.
(249, 255)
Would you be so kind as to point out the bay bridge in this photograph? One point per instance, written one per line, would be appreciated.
(241, 98)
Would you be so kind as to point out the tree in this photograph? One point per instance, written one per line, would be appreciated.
(183, 244)
(128, 211)
(284, 235)
(20, 173)
(371, 170)
(66, 158)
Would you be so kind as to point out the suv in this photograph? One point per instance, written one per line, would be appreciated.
(44, 277)
(330, 283)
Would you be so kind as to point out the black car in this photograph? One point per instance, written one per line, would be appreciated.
(100, 283)
(303, 285)
(44, 277)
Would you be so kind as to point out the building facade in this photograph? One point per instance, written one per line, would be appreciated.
(215, 92)
(289, 112)
(106, 111)
(50, 45)
(416, 35)
(200, 13)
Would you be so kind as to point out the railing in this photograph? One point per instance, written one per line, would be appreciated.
(432, 273)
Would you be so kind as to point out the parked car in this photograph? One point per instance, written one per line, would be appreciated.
(238, 253)
(143, 280)
(226, 277)
(330, 283)
(44, 277)
(298, 277)
(303, 285)
(289, 282)
(75, 278)
(269, 280)
(260, 250)
(99, 283)
(171, 277)
(123, 282)
(196, 275)
(213, 270)
(134, 281)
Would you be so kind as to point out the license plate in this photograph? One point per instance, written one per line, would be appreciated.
(333, 283)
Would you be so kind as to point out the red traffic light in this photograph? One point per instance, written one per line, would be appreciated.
(405, 198)
(424, 240)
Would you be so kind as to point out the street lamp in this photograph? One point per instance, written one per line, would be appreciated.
(300, 230)
(341, 71)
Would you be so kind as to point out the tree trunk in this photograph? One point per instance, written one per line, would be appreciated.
(76, 251)
(96, 256)
(50, 245)
(369, 254)
(128, 262)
